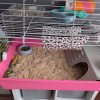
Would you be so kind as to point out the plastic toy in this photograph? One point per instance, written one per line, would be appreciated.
(85, 5)
(80, 14)
(65, 17)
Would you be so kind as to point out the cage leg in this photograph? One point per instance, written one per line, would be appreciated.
(17, 94)
(91, 95)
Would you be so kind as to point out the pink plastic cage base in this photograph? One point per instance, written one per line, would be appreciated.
(14, 83)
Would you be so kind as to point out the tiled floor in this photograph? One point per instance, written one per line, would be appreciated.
(8, 97)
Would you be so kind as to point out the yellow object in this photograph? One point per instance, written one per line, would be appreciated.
(15, 59)
(85, 5)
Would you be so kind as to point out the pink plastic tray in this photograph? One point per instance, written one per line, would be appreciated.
(9, 83)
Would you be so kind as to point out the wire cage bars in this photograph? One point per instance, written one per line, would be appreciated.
(57, 24)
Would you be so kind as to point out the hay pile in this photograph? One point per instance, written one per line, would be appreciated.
(44, 64)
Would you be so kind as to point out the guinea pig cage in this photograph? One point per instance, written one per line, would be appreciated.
(48, 45)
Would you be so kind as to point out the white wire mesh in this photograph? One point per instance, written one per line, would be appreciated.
(27, 19)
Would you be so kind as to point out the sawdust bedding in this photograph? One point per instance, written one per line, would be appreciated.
(45, 65)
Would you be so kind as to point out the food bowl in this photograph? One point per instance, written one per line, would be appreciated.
(65, 17)
(25, 50)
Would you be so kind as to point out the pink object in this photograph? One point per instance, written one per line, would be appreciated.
(87, 6)
(11, 83)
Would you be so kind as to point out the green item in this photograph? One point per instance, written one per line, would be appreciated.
(82, 14)
(9, 71)
(62, 8)
(79, 14)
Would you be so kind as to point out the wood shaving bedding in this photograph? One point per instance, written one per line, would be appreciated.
(45, 65)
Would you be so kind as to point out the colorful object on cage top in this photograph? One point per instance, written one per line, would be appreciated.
(81, 5)
(85, 5)
(79, 14)
(65, 17)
